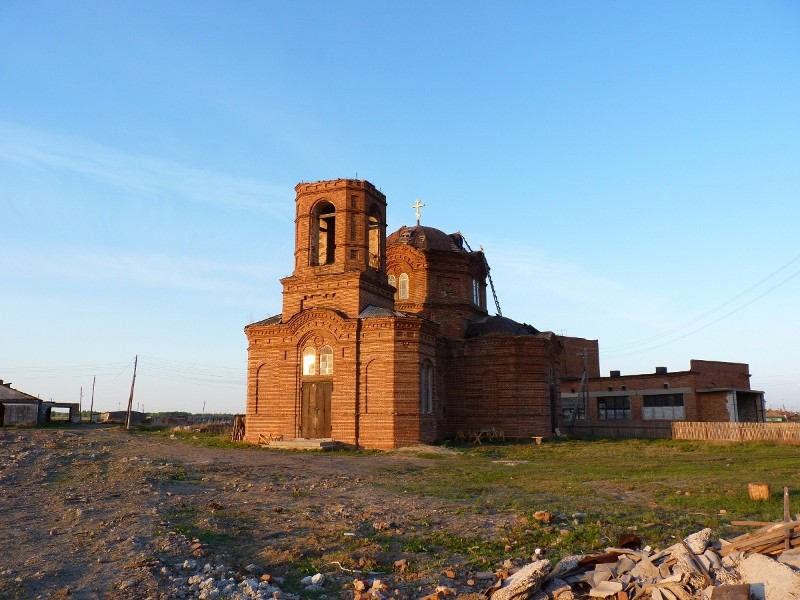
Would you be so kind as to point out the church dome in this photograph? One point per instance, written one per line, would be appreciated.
(427, 238)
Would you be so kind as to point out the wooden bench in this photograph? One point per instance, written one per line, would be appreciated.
(489, 434)
(538, 440)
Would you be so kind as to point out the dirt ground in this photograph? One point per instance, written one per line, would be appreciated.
(98, 513)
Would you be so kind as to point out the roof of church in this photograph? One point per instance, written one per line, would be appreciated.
(377, 311)
(273, 320)
(494, 325)
(427, 238)
(369, 312)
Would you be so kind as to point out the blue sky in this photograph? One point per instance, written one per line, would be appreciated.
(631, 169)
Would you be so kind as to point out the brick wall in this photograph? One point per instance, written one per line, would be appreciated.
(716, 374)
(501, 381)
(572, 357)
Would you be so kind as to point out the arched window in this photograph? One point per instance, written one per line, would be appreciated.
(392, 281)
(309, 361)
(402, 287)
(374, 237)
(323, 234)
(426, 387)
(430, 388)
(326, 361)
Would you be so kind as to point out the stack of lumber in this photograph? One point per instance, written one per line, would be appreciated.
(237, 435)
(770, 540)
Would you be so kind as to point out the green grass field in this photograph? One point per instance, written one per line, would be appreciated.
(661, 490)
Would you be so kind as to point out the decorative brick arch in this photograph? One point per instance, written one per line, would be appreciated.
(372, 376)
(317, 319)
(262, 374)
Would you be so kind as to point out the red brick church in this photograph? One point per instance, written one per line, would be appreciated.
(385, 341)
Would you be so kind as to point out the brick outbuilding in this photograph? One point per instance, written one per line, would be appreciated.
(645, 404)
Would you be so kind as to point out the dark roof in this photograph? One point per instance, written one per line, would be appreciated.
(10, 395)
(375, 311)
(497, 325)
(427, 238)
(273, 320)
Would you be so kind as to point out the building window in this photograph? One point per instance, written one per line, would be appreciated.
(309, 361)
(326, 361)
(476, 292)
(374, 237)
(568, 405)
(426, 388)
(402, 288)
(666, 407)
(613, 407)
(392, 281)
(323, 234)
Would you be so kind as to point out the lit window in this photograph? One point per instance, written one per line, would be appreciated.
(326, 361)
(402, 288)
(374, 237)
(309, 361)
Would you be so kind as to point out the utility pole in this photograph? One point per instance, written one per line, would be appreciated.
(130, 398)
(585, 388)
(583, 398)
(80, 406)
(91, 404)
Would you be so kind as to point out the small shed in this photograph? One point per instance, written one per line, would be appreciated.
(17, 408)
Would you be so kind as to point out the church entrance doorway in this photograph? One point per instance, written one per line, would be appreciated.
(315, 419)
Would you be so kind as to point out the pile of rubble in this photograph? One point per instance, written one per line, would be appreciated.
(695, 568)
(190, 579)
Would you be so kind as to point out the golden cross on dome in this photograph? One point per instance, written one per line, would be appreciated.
(416, 206)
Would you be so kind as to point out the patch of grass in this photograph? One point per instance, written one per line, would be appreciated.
(674, 486)
(197, 438)
(414, 544)
(225, 528)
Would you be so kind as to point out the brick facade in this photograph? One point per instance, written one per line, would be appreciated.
(359, 357)
(708, 391)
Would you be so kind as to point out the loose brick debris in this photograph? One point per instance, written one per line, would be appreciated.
(694, 568)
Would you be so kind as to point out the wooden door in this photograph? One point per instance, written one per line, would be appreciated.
(315, 418)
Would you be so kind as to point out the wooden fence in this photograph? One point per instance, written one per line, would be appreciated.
(788, 433)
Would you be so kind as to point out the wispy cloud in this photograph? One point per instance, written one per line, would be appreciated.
(141, 270)
(526, 272)
(149, 176)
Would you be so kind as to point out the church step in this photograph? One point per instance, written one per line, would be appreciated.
(305, 444)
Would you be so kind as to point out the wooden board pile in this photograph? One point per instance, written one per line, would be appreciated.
(694, 568)
(772, 540)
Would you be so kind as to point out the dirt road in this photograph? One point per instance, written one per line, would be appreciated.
(99, 513)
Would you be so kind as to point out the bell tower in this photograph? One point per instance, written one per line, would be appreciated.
(339, 250)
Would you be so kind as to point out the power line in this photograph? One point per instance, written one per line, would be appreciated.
(707, 325)
(710, 312)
